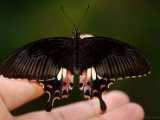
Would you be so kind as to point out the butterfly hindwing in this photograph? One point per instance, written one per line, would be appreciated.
(113, 59)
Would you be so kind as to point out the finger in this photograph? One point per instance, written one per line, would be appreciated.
(130, 111)
(4, 114)
(115, 99)
(16, 92)
(81, 110)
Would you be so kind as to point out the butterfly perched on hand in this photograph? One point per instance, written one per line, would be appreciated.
(53, 61)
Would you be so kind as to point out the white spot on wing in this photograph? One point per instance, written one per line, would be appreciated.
(64, 72)
(50, 79)
(127, 77)
(145, 75)
(89, 72)
(113, 79)
(41, 80)
(59, 76)
(93, 74)
(139, 76)
(133, 76)
(99, 77)
(120, 78)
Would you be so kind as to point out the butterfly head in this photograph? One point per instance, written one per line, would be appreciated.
(76, 34)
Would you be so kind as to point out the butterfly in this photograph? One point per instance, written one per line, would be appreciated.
(52, 62)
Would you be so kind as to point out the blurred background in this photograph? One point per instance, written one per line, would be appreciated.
(136, 22)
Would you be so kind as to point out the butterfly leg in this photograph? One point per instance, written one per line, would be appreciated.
(59, 87)
(92, 85)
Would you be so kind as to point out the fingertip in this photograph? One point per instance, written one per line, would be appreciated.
(129, 111)
(117, 94)
(115, 98)
(23, 90)
(136, 111)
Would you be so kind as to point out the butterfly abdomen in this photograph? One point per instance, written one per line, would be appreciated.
(76, 61)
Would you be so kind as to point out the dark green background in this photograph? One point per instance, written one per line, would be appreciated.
(136, 22)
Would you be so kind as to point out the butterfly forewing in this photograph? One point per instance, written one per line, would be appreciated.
(113, 59)
(40, 59)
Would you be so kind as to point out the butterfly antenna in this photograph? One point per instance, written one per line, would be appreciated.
(68, 17)
(83, 16)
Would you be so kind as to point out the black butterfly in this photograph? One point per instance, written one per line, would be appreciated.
(53, 61)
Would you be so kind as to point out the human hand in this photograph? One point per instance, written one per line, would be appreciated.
(12, 96)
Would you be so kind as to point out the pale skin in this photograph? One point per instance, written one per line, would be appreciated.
(15, 93)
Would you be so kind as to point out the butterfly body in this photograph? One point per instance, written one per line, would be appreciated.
(53, 61)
